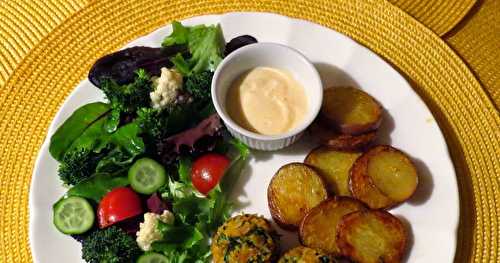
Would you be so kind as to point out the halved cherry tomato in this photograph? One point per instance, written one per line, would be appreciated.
(207, 171)
(119, 204)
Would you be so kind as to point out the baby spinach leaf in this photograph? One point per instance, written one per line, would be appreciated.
(74, 126)
(115, 160)
(112, 121)
(98, 185)
(128, 138)
(91, 137)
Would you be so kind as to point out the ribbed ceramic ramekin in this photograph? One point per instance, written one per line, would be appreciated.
(267, 55)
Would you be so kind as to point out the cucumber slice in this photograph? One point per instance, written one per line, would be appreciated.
(153, 258)
(146, 176)
(73, 215)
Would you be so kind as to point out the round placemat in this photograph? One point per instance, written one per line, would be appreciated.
(25, 23)
(477, 39)
(438, 15)
(42, 80)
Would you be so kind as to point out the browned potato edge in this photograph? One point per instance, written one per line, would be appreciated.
(323, 205)
(359, 172)
(362, 186)
(353, 129)
(345, 142)
(386, 218)
(273, 207)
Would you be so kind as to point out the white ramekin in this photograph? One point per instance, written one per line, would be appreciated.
(267, 55)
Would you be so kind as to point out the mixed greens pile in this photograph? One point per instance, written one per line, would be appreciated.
(128, 159)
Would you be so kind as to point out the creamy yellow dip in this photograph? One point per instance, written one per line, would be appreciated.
(267, 101)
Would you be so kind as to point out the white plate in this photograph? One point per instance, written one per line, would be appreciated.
(431, 215)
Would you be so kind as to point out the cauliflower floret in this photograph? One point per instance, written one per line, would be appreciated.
(165, 88)
(148, 230)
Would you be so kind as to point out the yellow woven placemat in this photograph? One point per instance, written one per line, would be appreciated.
(477, 40)
(38, 86)
(23, 23)
(438, 15)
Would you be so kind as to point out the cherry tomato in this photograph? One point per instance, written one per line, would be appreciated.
(119, 204)
(207, 171)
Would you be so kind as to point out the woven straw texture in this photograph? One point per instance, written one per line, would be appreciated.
(477, 40)
(45, 75)
(23, 23)
(439, 16)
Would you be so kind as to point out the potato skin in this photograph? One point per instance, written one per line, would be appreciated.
(389, 232)
(392, 172)
(361, 184)
(318, 229)
(232, 238)
(337, 100)
(285, 194)
(346, 142)
(333, 166)
(305, 254)
(362, 187)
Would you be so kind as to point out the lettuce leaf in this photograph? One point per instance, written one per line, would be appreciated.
(179, 35)
(197, 216)
(236, 167)
(205, 43)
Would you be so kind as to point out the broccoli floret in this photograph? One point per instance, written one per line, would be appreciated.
(110, 245)
(150, 121)
(78, 165)
(198, 85)
(158, 124)
(128, 98)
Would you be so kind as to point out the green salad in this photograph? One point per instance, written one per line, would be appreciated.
(149, 171)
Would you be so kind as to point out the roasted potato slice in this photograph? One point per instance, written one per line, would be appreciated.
(383, 177)
(318, 229)
(329, 137)
(302, 254)
(350, 110)
(333, 166)
(293, 191)
(363, 188)
(392, 172)
(371, 237)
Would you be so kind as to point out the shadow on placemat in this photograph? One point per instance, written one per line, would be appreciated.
(475, 31)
